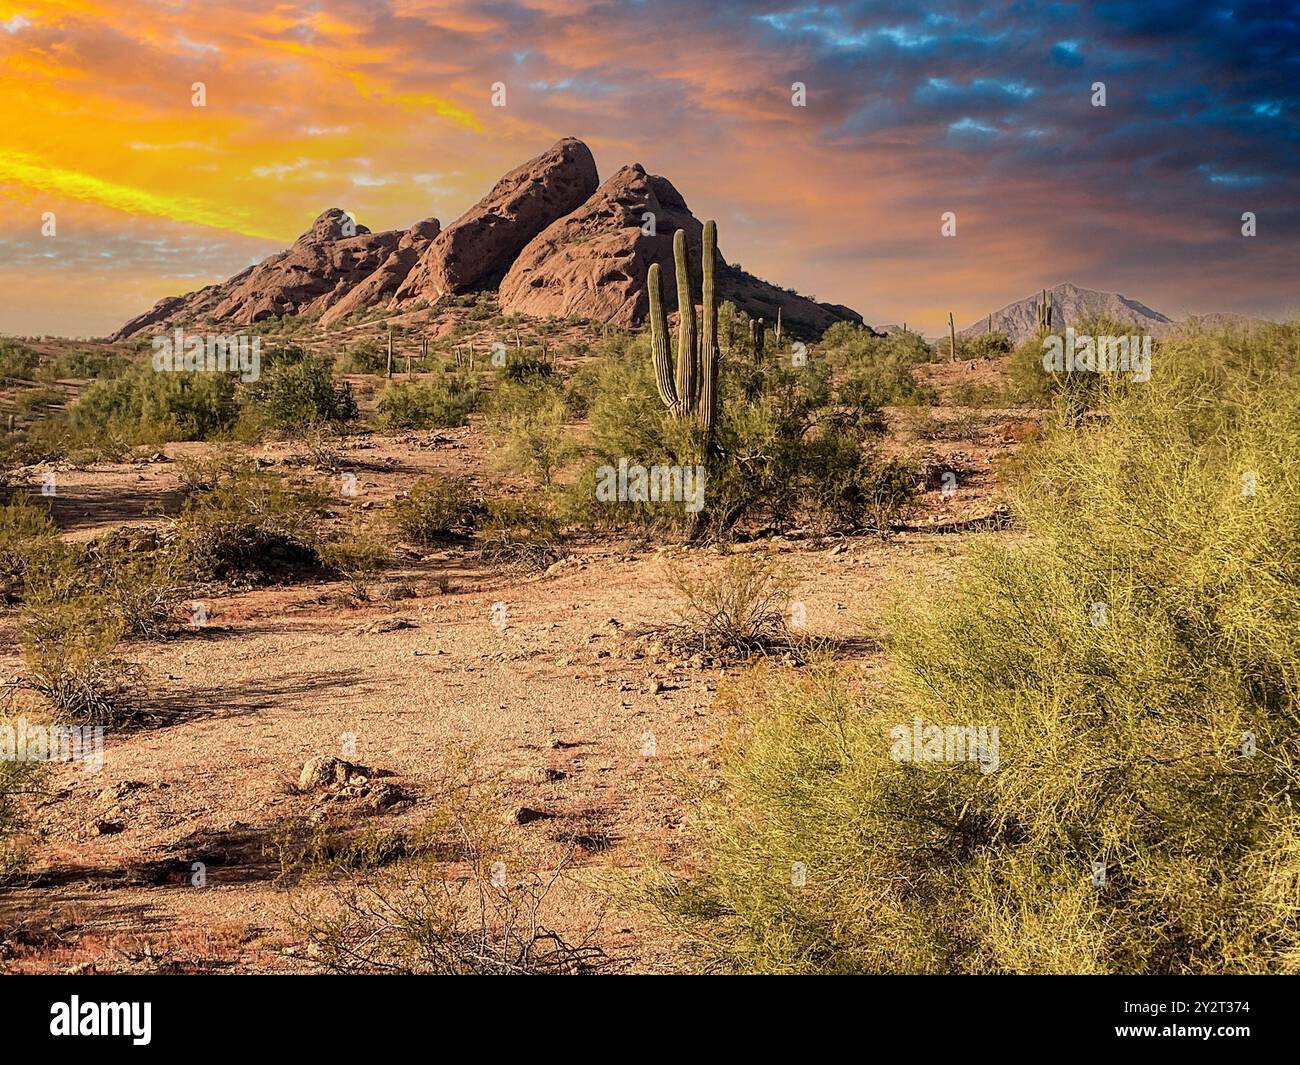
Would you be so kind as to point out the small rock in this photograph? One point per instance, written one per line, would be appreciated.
(387, 625)
(325, 772)
(523, 815)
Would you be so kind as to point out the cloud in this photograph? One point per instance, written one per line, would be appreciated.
(384, 108)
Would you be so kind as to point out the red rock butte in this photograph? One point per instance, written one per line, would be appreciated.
(548, 237)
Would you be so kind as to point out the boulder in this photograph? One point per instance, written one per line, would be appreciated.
(476, 250)
(593, 263)
(327, 772)
(382, 285)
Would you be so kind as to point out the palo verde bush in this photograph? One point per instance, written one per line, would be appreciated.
(1137, 809)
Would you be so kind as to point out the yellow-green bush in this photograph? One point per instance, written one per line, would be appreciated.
(437, 402)
(1125, 733)
(239, 519)
(437, 507)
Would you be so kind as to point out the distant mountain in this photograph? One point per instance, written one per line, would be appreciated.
(1070, 305)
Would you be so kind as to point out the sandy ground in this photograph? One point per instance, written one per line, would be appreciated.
(557, 705)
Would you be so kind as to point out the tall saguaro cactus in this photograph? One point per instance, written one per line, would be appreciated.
(1045, 313)
(690, 388)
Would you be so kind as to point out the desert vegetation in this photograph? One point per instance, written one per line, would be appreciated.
(1099, 571)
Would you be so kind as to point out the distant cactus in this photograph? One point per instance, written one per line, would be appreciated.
(692, 389)
(1045, 313)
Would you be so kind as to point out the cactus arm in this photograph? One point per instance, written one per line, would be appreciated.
(659, 341)
(709, 330)
(688, 354)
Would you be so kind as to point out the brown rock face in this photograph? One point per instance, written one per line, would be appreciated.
(546, 235)
(479, 247)
(382, 285)
(320, 268)
(593, 262)
(323, 265)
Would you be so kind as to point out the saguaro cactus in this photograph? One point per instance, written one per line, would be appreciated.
(1045, 313)
(690, 389)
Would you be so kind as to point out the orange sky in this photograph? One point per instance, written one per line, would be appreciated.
(384, 109)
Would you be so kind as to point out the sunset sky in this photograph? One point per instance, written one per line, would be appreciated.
(384, 109)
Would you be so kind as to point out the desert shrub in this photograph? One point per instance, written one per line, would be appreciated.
(52, 439)
(366, 356)
(978, 394)
(135, 588)
(437, 507)
(146, 407)
(17, 360)
(522, 366)
(241, 520)
(521, 532)
(526, 423)
(85, 364)
(438, 402)
(140, 588)
(17, 778)
(1135, 812)
(878, 371)
(293, 396)
(28, 536)
(984, 345)
(452, 909)
(778, 428)
(580, 389)
(357, 550)
(964, 426)
(850, 487)
(1030, 383)
(739, 608)
(69, 647)
(40, 399)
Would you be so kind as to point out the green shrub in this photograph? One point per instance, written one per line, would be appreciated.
(783, 449)
(436, 508)
(739, 608)
(240, 520)
(1136, 652)
(92, 364)
(147, 407)
(521, 367)
(439, 402)
(28, 537)
(17, 778)
(136, 577)
(521, 532)
(41, 398)
(69, 647)
(878, 371)
(526, 422)
(17, 360)
(978, 394)
(357, 550)
(294, 396)
(1029, 383)
(366, 356)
